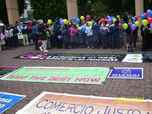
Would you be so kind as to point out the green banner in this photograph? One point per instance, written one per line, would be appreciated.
(84, 75)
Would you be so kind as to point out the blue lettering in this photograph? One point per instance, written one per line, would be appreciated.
(131, 111)
(71, 108)
(62, 108)
(89, 110)
(80, 109)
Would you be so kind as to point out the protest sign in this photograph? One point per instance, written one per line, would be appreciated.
(58, 103)
(126, 73)
(83, 75)
(8, 100)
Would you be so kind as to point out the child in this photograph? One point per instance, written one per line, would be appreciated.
(42, 42)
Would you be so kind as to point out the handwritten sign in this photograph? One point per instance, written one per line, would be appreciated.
(73, 56)
(57, 103)
(126, 73)
(84, 75)
(8, 100)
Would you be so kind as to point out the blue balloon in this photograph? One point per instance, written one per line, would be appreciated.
(151, 25)
(61, 21)
(77, 20)
(150, 14)
(148, 11)
(143, 16)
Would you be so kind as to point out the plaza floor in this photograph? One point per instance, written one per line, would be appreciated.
(110, 88)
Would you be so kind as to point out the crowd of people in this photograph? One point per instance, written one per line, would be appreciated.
(84, 32)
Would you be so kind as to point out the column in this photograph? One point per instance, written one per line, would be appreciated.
(139, 7)
(72, 8)
(12, 11)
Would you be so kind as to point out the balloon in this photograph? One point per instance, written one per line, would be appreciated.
(90, 23)
(137, 23)
(61, 21)
(151, 25)
(137, 17)
(65, 21)
(133, 27)
(125, 26)
(145, 22)
(143, 16)
(148, 11)
(49, 22)
(114, 20)
(82, 18)
(134, 19)
(150, 19)
(118, 16)
(88, 18)
(77, 20)
(150, 14)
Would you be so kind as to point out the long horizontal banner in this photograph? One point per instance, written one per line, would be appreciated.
(57, 103)
(83, 75)
(8, 100)
(73, 57)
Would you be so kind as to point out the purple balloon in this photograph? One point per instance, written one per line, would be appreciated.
(133, 27)
(151, 25)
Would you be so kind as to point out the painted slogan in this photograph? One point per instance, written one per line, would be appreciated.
(83, 75)
(56, 103)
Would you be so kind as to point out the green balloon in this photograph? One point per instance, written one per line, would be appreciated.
(125, 26)
(145, 22)
(137, 23)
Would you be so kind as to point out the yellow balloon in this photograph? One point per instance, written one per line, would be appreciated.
(82, 18)
(118, 16)
(125, 26)
(49, 21)
(65, 21)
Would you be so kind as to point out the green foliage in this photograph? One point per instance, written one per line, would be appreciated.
(21, 5)
(44, 9)
(102, 7)
(148, 4)
(98, 8)
(3, 13)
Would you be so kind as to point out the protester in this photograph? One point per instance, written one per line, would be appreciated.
(85, 32)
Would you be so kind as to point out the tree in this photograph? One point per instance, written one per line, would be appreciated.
(3, 12)
(21, 6)
(147, 4)
(44, 9)
(98, 8)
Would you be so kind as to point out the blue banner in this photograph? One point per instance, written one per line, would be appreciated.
(126, 73)
(8, 100)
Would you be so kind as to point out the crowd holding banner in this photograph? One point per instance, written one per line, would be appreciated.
(84, 32)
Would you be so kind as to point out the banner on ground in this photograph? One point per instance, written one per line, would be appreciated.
(126, 73)
(8, 100)
(73, 57)
(57, 103)
(7, 69)
(133, 58)
(84, 75)
(87, 57)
